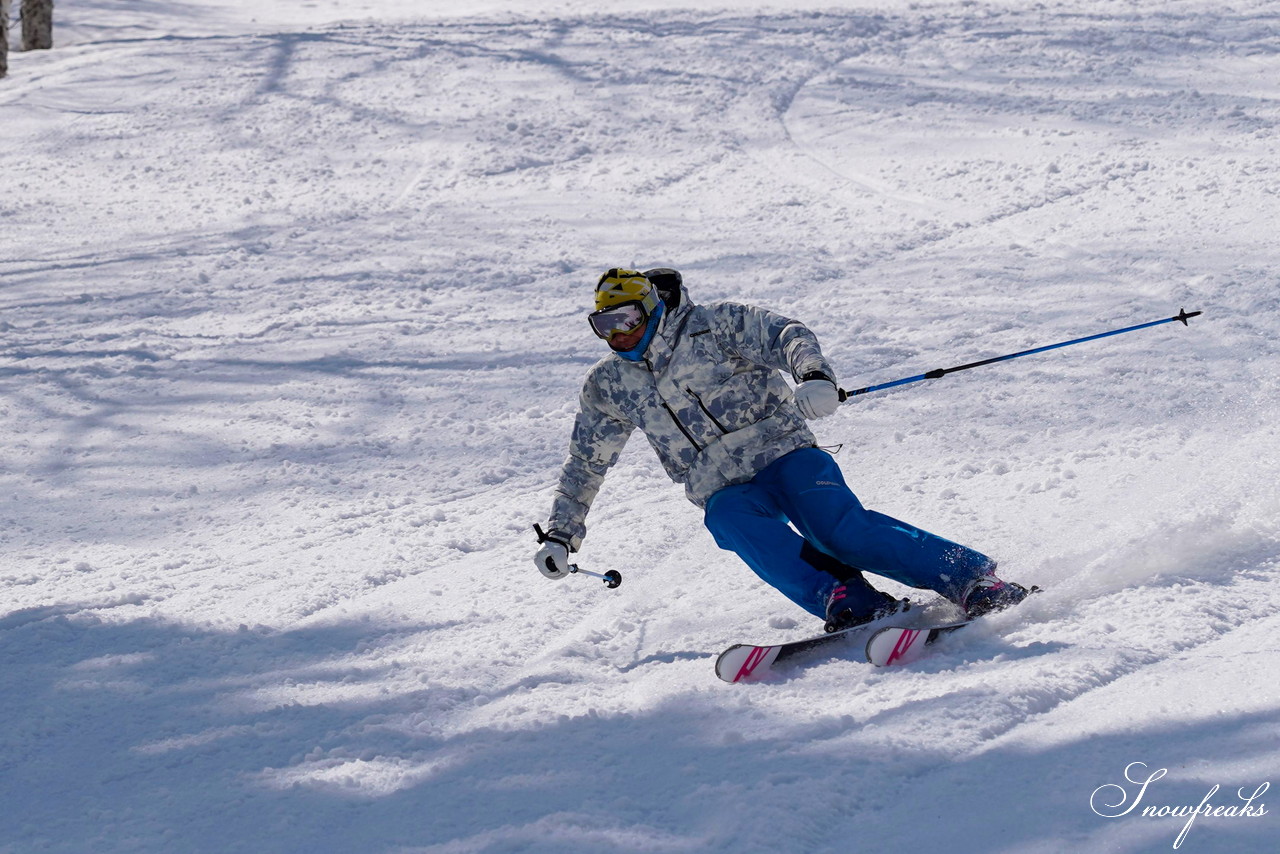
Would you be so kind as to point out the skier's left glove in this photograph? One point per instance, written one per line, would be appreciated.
(553, 558)
(817, 396)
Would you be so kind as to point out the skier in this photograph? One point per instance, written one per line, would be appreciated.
(702, 383)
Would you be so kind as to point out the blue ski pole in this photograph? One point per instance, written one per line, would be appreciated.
(1183, 315)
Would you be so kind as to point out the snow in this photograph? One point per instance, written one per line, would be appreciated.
(290, 343)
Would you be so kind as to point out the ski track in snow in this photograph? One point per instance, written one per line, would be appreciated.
(290, 342)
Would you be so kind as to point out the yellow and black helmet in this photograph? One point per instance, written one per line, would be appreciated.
(620, 285)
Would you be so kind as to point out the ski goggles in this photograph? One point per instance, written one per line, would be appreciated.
(623, 318)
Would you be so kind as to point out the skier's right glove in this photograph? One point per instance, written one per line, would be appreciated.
(817, 395)
(553, 557)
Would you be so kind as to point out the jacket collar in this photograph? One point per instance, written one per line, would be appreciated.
(663, 345)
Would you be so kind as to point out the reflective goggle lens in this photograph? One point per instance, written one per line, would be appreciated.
(625, 318)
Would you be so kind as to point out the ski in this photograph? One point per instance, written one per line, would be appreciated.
(746, 662)
(903, 644)
(900, 645)
(885, 645)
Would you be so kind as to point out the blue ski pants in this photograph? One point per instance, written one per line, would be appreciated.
(834, 537)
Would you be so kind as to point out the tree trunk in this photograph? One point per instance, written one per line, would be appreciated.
(4, 37)
(37, 24)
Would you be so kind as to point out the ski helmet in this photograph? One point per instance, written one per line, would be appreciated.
(619, 285)
(668, 282)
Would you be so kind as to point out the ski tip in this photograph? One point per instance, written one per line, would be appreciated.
(903, 645)
(745, 663)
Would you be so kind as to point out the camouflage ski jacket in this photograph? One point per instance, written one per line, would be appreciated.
(707, 396)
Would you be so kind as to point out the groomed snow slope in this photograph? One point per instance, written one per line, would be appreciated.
(291, 334)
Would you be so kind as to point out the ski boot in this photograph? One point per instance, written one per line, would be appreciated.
(841, 614)
(989, 594)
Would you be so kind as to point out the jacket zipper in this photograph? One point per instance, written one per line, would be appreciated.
(706, 412)
(672, 413)
(683, 430)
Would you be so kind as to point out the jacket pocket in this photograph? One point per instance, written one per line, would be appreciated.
(707, 412)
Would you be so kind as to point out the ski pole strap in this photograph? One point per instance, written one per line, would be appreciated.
(543, 536)
(1182, 316)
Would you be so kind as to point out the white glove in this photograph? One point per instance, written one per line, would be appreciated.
(553, 556)
(817, 398)
(553, 559)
